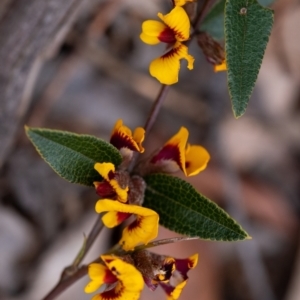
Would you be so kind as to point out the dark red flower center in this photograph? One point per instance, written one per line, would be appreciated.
(167, 36)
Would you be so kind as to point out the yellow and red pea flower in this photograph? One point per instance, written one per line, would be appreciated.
(123, 138)
(111, 186)
(142, 230)
(178, 279)
(174, 29)
(177, 154)
(126, 280)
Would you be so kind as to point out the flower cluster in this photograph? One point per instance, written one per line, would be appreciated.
(122, 196)
(174, 30)
(124, 277)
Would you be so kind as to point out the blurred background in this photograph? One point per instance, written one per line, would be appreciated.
(79, 66)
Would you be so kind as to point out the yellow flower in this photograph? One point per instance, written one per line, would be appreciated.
(142, 230)
(107, 171)
(126, 280)
(220, 67)
(174, 29)
(176, 153)
(122, 137)
(178, 280)
(166, 68)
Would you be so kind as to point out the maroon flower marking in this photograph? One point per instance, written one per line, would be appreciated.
(167, 36)
(120, 141)
(169, 152)
(121, 216)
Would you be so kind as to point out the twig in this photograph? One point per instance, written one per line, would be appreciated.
(65, 282)
(88, 242)
(200, 16)
(165, 241)
(156, 107)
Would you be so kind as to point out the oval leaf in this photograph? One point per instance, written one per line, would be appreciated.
(247, 29)
(73, 156)
(182, 209)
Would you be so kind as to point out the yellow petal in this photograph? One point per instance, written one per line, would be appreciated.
(96, 273)
(130, 280)
(178, 141)
(179, 22)
(220, 67)
(122, 137)
(166, 68)
(107, 171)
(143, 230)
(193, 261)
(151, 30)
(181, 2)
(113, 218)
(104, 169)
(139, 136)
(196, 159)
(177, 291)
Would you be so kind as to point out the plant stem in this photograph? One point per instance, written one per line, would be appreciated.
(89, 241)
(156, 107)
(66, 281)
(200, 16)
(165, 241)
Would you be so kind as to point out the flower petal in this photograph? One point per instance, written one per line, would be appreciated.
(114, 218)
(220, 67)
(179, 22)
(121, 137)
(196, 159)
(184, 265)
(181, 2)
(166, 68)
(174, 295)
(143, 230)
(173, 151)
(151, 30)
(130, 280)
(107, 171)
(99, 275)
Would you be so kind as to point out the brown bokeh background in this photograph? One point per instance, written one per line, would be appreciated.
(97, 72)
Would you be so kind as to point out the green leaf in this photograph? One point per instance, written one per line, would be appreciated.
(182, 209)
(213, 23)
(73, 156)
(247, 29)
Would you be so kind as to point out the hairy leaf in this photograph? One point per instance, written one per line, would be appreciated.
(213, 23)
(73, 156)
(182, 209)
(247, 29)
